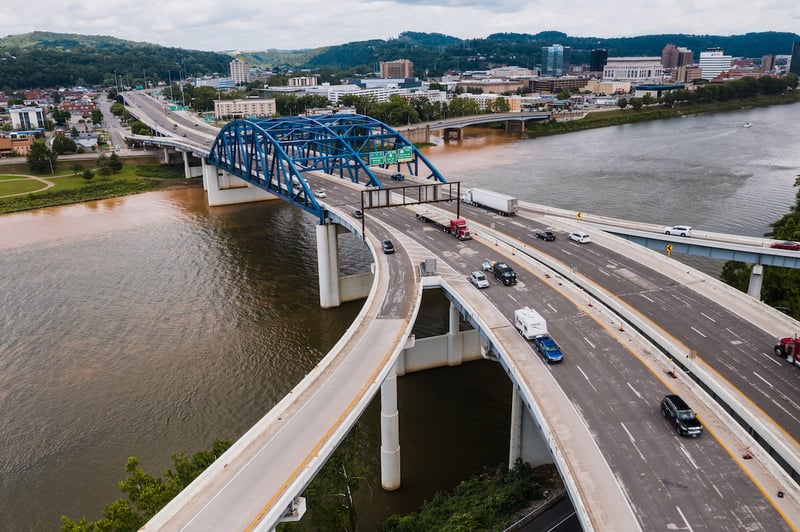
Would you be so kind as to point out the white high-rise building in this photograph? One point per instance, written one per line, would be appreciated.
(713, 62)
(240, 72)
(634, 69)
(27, 118)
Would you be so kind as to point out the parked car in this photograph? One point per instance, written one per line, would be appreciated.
(388, 246)
(478, 279)
(398, 176)
(320, 193)
(358, 214)
(580, 238)
(679, 230)
(547, 236)
(786, 244)
(549, 349)
(681, 416)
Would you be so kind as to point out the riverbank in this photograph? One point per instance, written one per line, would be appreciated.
(617, 117)
(20, 191)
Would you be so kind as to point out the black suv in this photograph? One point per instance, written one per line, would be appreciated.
(503, 273)
(547, 236)
(682, 417)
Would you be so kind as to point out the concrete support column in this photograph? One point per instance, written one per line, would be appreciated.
(515, 443)
(756, 277)
(187, 172)
(166, 156)
(390, 434)
(328, 262)
(454, 339)
(207, 169)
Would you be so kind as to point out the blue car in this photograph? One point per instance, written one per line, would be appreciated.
(549, 349)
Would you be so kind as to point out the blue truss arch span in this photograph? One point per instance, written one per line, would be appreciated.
(274, 153)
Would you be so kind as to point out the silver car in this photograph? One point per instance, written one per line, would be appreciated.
(478, 279)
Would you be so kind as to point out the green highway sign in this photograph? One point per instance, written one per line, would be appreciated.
(391, 157)
(376, 158)
(404, 154)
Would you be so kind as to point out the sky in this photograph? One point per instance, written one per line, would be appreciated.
(249, 25)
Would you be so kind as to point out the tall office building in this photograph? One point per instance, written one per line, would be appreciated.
(714, 62)
(767, 62)
(794, 66)
(556, 60)
(399, 68)
(240, 72)
(669, 56)
(597, 59)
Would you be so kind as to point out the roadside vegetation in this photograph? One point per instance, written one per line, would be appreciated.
(76, 181)
(780, 287)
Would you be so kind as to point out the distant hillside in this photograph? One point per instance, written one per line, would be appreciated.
(44, 59)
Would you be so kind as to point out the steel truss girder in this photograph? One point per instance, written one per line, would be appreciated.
(273, 153)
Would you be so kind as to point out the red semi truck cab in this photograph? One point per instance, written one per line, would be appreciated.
(458, 228)
(789, 348)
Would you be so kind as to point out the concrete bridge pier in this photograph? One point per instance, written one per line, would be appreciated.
(328, 262)
(189, 170)
(526, 441)
(390, 433)
(756, 278)
(454, 337)
(224, 188)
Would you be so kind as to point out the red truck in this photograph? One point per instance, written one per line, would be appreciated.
(455, 226)
(789, 348)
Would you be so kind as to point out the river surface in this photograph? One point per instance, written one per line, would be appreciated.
(144, 325)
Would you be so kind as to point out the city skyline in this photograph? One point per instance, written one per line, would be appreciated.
(255, 25)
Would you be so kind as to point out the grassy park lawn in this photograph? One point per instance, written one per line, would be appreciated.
(20, 192)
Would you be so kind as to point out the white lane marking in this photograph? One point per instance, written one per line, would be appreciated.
(688, 457)
(587, 379)
(772, 358)
(512, 298)
(706, 316)
(698, 332)
(765, 380)
(647, 298)
(633, 442)
(688, 526)
(717, 490)
(604, 272)
(732, 333)
(588, 342)
(552, 308)
(634, 391)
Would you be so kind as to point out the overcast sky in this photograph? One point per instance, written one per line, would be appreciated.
(295, 24)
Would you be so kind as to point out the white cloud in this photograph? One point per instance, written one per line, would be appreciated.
(258, 25)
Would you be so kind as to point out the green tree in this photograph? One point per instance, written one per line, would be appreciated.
(41, 159)
(97, 116)
(623, 103)
(62, 145)
(60, 117)
(77, 168)
(117, 109)
(146, 494)
(563, 95)
(462, 107)
(87, 174)
(114, 162)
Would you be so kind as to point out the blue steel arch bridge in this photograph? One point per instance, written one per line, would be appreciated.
(274, 153)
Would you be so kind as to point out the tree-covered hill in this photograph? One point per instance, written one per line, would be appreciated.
(44, 59)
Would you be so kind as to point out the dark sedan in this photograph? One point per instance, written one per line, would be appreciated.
(388, 247)
(786, 244)
(546, 235)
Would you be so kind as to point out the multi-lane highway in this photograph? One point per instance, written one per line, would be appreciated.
(612, 377)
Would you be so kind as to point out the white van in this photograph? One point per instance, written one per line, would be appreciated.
(529, 323)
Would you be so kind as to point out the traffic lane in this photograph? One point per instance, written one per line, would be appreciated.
(620, 398)
(677, 309)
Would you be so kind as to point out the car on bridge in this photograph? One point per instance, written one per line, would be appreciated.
(786, 244)
(548, 348)
(679, 230)
(387, 246)
(358, 214)
(681, 416)
(397, 176)
(320, 193)
(478, 279)
(580, 237)
(547, 236)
